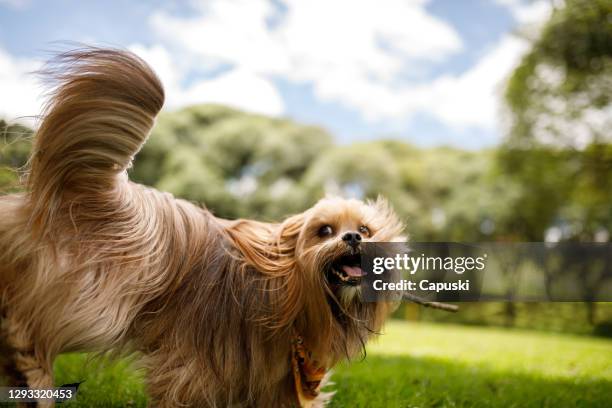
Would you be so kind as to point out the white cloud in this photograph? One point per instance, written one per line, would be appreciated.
(526, 11)
(240, 88)
(23, 95)
(363, 55)
(354, 53)
(21, 92)
(350, 52)
(469, 99)
(225, 32)
(472, 99)
(359, 54)
(237, 87)
(459, 101)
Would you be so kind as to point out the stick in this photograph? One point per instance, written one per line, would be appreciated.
(427, 303)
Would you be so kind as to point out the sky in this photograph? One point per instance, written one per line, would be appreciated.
(430, 72)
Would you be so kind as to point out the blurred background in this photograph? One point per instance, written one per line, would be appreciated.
(480, 120)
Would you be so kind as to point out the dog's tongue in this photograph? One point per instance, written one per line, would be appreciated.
(352, 271)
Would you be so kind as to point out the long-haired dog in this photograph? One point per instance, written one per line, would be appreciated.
(221, 313)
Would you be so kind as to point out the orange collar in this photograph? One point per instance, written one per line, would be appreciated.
(307, 372)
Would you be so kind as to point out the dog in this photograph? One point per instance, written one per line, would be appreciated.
(220, 312)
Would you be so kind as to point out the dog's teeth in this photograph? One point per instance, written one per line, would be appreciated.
(342, 276)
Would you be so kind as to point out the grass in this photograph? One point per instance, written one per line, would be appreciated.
(428, 365)
(105, 383)
(421, 365)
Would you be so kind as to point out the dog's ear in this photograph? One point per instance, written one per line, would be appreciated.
(271, 250)
(290, 301)
(288, 234)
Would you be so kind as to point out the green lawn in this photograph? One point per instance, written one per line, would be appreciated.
(427, 365)
(424, 365)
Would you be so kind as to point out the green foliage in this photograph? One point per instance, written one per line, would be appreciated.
(558, 150)
(561, 317)
(237, 164)
(14, 151)
(560, 93)
(245, 165)
(422, 365)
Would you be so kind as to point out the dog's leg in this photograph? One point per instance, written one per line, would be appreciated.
(22, 365)
(9, 373)
(38, 374)
(22, 369)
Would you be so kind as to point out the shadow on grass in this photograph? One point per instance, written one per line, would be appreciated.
(405, 381)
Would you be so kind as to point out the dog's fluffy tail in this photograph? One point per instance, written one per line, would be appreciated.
(101, 108)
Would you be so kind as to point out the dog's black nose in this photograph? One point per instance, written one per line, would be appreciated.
(352, 238)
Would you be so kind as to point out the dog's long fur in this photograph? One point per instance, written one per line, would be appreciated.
(92, 262)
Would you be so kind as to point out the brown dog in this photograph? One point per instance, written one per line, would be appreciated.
(222, 313)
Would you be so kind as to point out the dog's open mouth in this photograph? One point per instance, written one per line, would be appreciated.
(346, 270)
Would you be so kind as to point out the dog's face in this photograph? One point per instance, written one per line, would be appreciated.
(312, 268)
(324, 288)
(329, 244)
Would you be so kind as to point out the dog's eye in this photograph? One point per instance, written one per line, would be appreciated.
(364, 230)
(325, 231)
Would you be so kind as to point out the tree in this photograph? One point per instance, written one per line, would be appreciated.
(560, 93)
(237, 164)
(558, 146)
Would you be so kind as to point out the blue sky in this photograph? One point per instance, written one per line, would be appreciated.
(428, 72)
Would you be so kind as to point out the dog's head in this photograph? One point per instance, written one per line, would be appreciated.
(328, 249)
(314, 261)
(329, 245)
